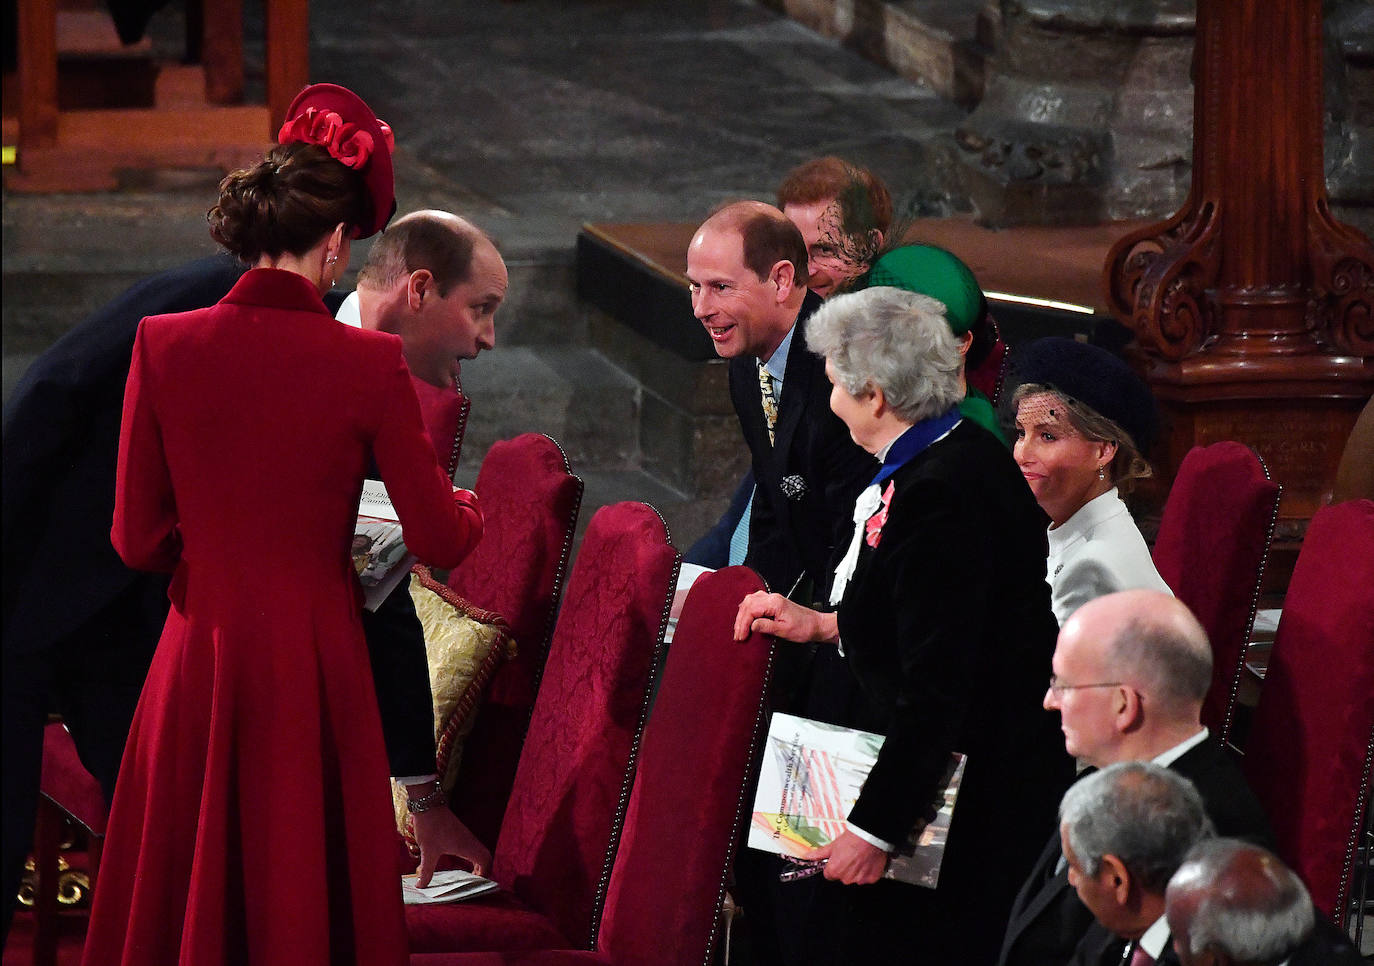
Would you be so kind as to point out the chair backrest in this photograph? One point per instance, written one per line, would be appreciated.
(1311, 742)
(445, 412)
(681, 830)
(66, 782)
(573, 780)
(1212, 544)
(530, 501)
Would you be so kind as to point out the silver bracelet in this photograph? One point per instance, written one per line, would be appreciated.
(417, 805)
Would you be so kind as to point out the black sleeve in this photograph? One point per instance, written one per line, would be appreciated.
(400, 672)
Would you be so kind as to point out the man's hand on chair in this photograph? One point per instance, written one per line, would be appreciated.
(439, 832)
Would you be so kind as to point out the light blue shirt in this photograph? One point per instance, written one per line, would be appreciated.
(777, 362)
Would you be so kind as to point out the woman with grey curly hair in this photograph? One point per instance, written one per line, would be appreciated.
(875, 349)
(947, 641)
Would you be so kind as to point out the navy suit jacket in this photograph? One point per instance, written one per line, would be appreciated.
(807, 480)
(61, 429)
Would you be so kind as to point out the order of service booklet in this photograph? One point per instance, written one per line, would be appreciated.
(380, 557)
(454, 885)
(811, 776)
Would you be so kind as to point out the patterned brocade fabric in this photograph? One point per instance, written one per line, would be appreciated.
(465, 645)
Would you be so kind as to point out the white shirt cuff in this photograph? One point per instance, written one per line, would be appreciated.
(416, 779)
(871, 839)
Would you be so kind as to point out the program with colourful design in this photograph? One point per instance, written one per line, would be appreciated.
(811, 776)
(380, 557)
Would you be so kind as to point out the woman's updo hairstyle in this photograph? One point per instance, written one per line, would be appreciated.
(286, 203)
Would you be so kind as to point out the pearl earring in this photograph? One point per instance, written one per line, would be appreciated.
(1101, 473)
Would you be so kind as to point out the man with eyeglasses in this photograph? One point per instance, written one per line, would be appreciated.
(1130, 672)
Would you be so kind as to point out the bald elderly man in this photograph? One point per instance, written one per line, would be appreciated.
(1235, 904)
(1129, 675)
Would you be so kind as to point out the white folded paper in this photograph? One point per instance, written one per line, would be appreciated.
(452, 886)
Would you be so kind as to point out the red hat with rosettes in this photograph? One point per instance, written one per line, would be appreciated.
(341, 122)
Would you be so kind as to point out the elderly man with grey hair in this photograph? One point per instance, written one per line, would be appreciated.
(942, 615)
(1125, 830)
(1235, 904)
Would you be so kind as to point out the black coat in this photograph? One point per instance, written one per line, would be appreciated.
(61, 439)
(947, 628)
(1049, 925)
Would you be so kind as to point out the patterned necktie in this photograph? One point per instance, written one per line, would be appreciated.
(770, 401)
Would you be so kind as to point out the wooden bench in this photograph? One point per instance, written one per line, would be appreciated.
(196, 119)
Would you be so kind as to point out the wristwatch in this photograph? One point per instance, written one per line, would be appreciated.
(417, 805)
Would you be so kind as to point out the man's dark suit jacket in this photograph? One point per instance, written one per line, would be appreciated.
(1049, 925)
(1326, 946)
(807, 480)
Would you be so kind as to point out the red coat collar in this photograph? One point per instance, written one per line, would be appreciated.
(278, 289)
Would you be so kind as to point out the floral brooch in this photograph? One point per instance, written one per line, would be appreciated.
(873, 529)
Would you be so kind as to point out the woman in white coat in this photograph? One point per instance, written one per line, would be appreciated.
(1082, 420)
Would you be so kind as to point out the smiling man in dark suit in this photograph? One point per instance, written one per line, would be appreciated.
(1131, 671)
(747, 270)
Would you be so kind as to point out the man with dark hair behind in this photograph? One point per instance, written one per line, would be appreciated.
(1235, 904)
(80, 627)
(843, 211)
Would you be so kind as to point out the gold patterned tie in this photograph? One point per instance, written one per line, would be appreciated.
(770, 401)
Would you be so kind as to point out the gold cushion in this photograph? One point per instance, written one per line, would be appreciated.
(465, 645)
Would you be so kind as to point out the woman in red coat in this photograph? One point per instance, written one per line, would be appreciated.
(252, 821)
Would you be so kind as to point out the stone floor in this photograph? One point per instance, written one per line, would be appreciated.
(531, 118)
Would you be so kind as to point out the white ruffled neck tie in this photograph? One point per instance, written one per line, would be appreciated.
(864, 507)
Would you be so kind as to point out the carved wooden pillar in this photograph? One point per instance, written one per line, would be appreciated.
(1253, 307)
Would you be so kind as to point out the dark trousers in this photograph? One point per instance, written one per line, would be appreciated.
(93, 679)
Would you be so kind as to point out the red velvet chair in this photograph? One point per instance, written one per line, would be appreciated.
(1311, 743)
(530, 500)
(445, 412)
(572, 785)
(666, 885)
(1212, 544)
(66, 791)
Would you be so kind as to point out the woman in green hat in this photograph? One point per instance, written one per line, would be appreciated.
(927, 270)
